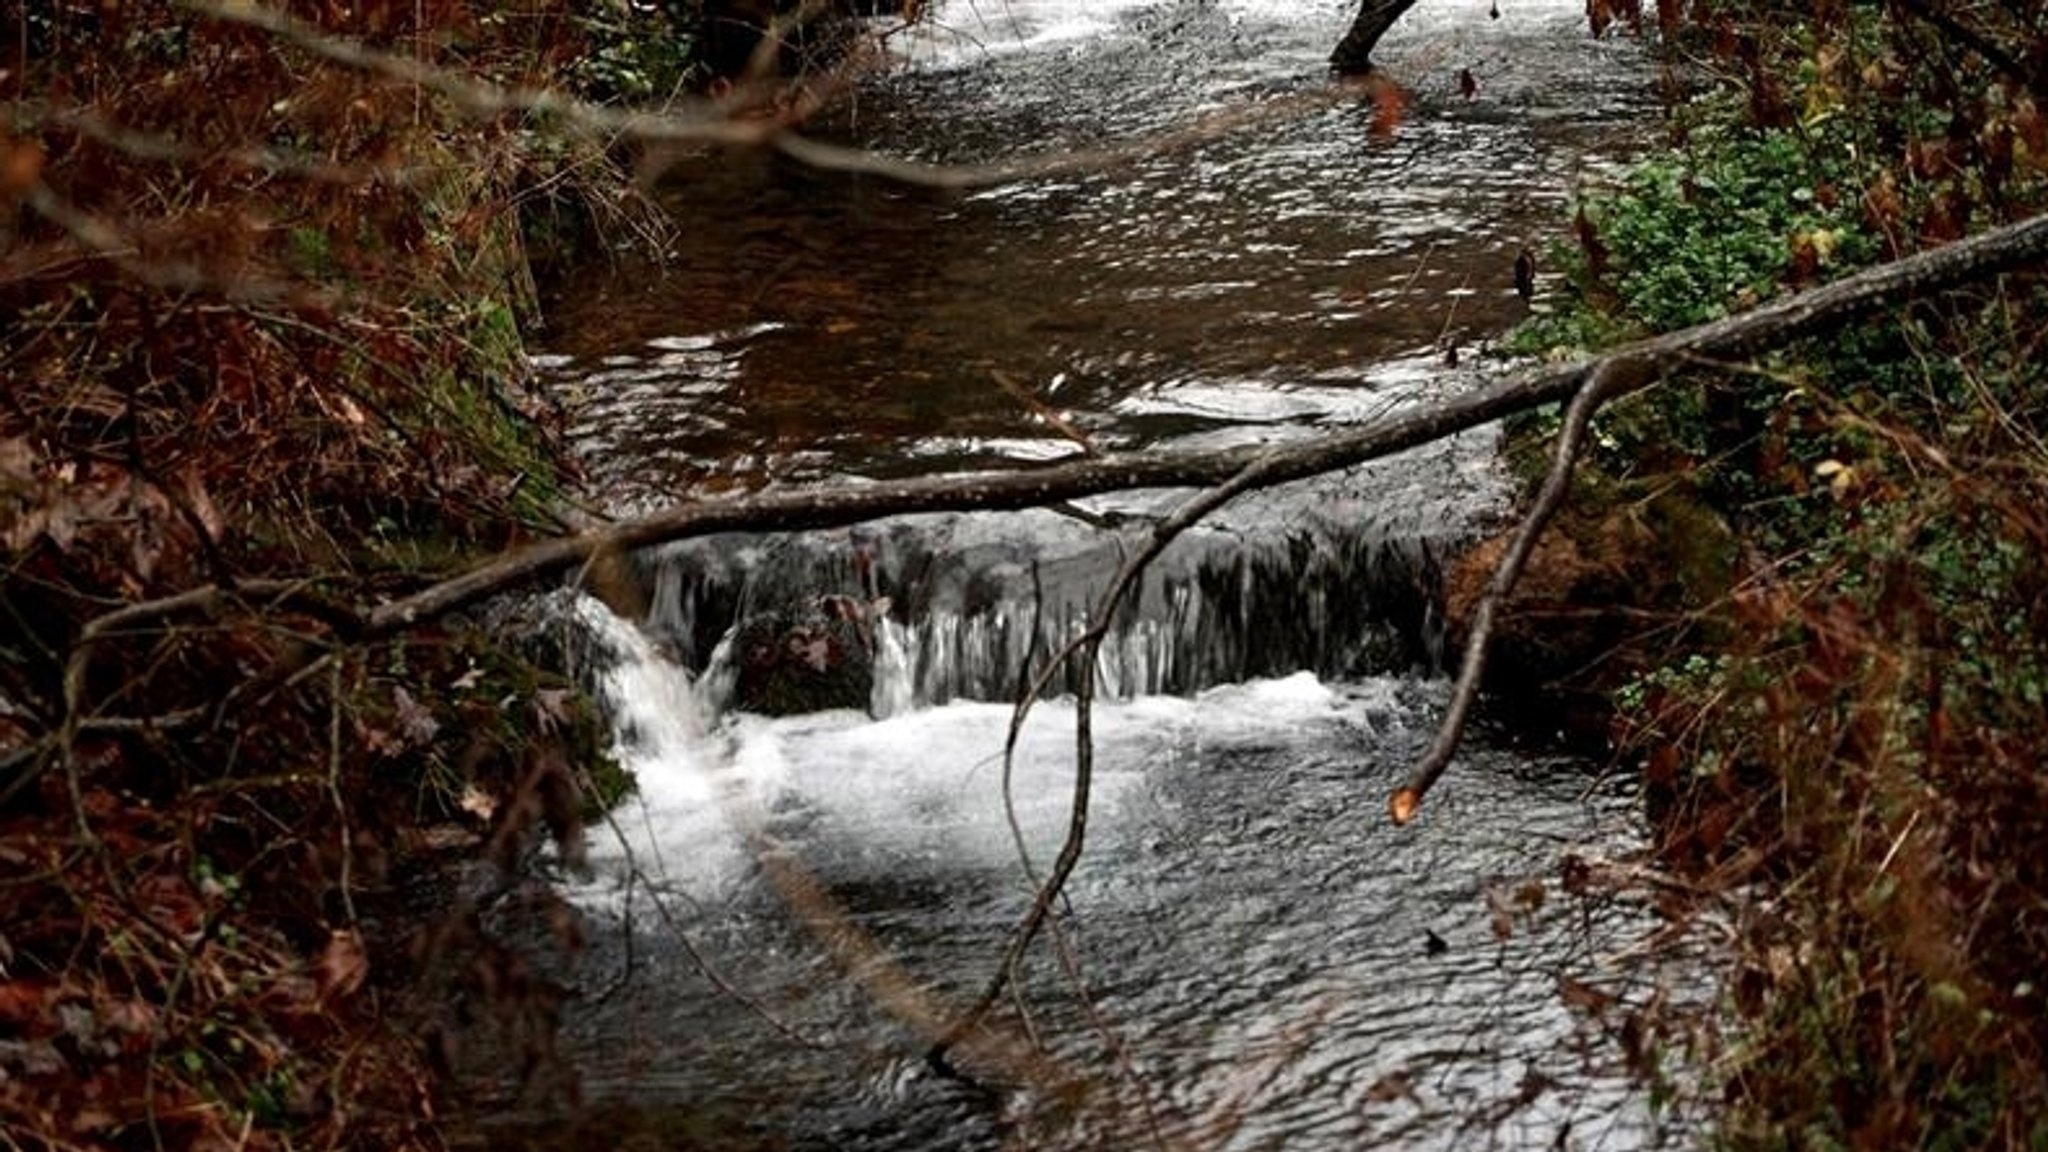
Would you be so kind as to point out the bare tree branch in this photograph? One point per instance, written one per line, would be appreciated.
(1632, 366)
(708, 122)
(1609, 381)
(1772, 325)
(1083, 650)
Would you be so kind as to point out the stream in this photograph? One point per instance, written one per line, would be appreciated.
(1249, 954)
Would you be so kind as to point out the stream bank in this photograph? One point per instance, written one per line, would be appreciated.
(264, 370)
(1838, 714)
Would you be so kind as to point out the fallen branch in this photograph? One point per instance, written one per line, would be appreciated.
(1631, 367)
(1635, 365)
(1083, 651)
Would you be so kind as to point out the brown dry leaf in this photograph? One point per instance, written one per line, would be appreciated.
(200, 501)
(477, 802)
(21, 165)
(553, 708)
(380, 741)
(1577, 874)
(343, 965)
(133, 1018)
(17, 462)
(1500, 914)
(1396, 1085)
(292, 993)
(148, 511)
(816, 652)
(1583, 996)
(1389, 108)
(415, 722)
(1402, 805)
(172, 905)
(22, 1001)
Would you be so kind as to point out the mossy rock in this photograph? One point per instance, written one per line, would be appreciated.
(1595, 605)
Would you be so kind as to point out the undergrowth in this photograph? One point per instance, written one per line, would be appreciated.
(262, 366)
(1847, 753)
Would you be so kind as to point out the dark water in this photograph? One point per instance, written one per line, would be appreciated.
(1266, 962)
(1304, 267)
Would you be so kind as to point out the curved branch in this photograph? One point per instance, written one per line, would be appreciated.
(1085, 649)
(1610, 380)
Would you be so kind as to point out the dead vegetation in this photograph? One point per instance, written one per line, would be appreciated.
(262, 390)
(262, 364)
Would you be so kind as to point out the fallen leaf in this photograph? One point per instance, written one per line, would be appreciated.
(1389, 108)
(1500, 915)
(478, 803)
(201, 504)
(21, 165)
(343, 965)
(22, 1002)
(553, 707)
(1583, 996)
(414, 720)
(1393, 1086)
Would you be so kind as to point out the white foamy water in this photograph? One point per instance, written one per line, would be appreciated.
(865, 794)
(1285, 968)
(964, 31)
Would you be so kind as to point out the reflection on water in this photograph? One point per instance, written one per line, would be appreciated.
(812, 323)
(1281, 967)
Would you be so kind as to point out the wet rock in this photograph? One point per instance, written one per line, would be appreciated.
(1593, 608)
(810, 657)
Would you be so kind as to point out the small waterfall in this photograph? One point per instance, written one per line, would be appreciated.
(685, 776)
(657, 714)
(964, 604)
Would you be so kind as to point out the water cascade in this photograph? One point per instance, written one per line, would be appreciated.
(789, 898)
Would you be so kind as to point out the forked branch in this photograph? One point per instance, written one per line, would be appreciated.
(1084, 650)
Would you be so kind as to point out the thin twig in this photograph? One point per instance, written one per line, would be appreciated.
(342, 822)
(703, 964)
(1084, 649)
(708, 122)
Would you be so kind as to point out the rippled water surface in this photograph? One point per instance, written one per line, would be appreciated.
(1305, 262)
(1267, 963)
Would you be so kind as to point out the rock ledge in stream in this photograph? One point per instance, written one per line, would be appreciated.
(809, 657)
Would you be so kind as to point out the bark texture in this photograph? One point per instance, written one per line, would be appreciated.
(1353, 56)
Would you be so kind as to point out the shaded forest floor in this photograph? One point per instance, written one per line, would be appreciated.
(264, 367)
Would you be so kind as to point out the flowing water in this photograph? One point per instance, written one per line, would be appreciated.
(1250, 956)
